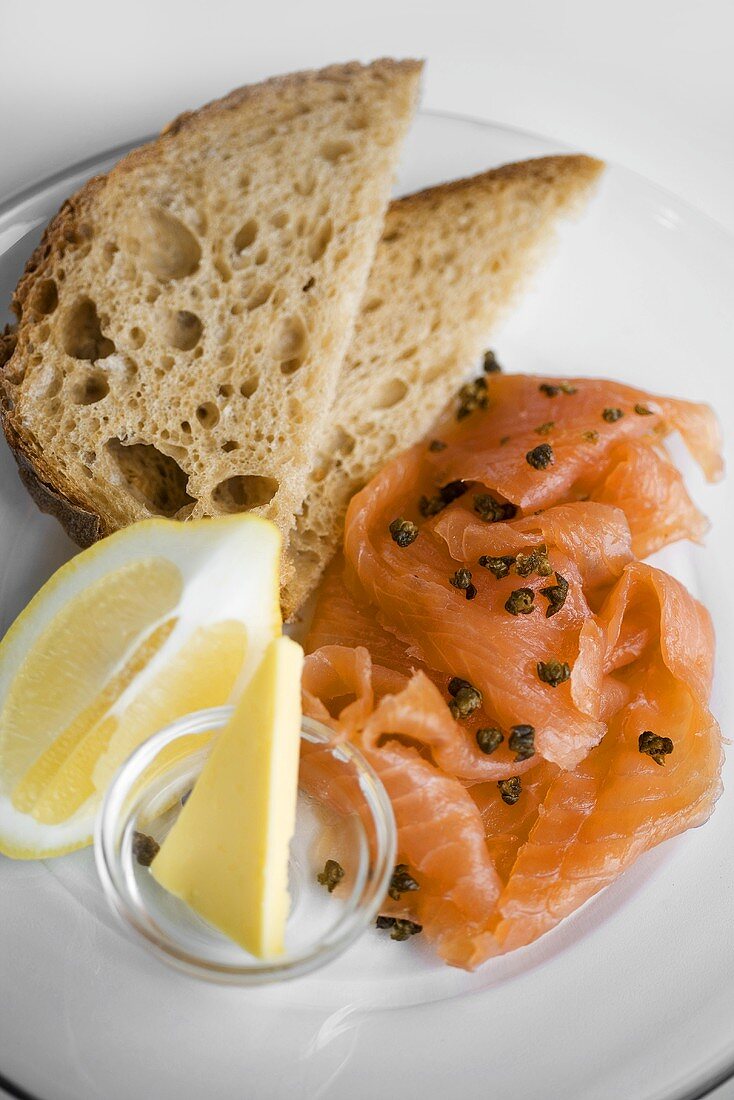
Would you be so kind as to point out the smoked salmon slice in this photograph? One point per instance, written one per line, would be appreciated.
(440, 830)
(619, 802)
(500, 558)
(583, 422)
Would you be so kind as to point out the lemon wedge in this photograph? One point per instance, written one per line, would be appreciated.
(157, 620)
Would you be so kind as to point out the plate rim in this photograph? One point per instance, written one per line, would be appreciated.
(29, 191)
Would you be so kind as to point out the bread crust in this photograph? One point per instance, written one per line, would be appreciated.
(82, 520)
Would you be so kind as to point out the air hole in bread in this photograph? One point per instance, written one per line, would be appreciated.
(183, 330)
(225, 391)
(185, 427)
(290, 339)
(290, 366)
(249, 386)
(320, 239)
(137, 338)
(358, 119)
(245, 235)
(166, 247)
(226, 356)
(390, 393)
(152, 295)
(90, 388)
(167, 362)
(306, 184)
(230, 445)
(207, 415)
(154, 479)
(372, 305)
(261, 257)
(223, 269)
(279, 219)
(45, 297)
(242, 492)
(393, 235)
(245, 181)
(259, 296)
(81, 332)
(177, 453)
(343, 442)
(333, 150)
(109, 251)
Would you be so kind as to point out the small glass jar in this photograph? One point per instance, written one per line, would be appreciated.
(343, 813)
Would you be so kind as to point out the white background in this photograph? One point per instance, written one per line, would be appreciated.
(647, 83)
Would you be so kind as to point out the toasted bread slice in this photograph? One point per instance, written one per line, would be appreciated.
(450, 262)
(182, 324)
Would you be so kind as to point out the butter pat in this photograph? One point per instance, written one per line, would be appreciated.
(227, 854)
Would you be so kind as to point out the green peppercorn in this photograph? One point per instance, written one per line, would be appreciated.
(551, 389)
(522, 742)
(655, 746)
(491, 510)
(520, 601)
(331, 875)
(403, 532)
(489, 738)
(490, 364)
(556, 595)
(402, 882)
(465, 698)
(553, 672)
(145, 848)
(498, 567)
(462, 580)
(473, 395)
(402, 929)
(540, 457)
(534, 562)
(510, 789)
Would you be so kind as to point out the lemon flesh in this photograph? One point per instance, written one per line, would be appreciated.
(153, 622)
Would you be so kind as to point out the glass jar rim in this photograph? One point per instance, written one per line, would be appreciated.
(118, 808)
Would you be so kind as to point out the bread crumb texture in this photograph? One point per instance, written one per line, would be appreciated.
(450, 263)
(182, 324)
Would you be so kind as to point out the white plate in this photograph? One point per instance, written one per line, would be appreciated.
(631, 997)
